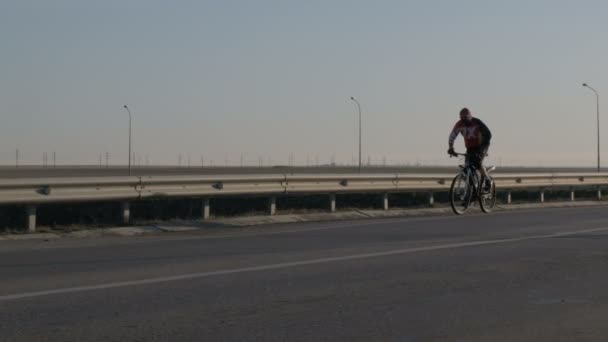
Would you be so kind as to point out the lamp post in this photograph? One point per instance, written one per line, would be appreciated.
(359, 107)
(597, 103)
(128, 111)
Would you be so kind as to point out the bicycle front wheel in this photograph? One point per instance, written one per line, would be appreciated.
(487, 200)
(460, 194)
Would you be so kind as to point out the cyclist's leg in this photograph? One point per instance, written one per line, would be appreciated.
(471, 157)
(473, 161)
(474, 157)
(482, 155)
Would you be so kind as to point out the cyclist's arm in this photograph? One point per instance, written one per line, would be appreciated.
(486, 135)
(455, 131)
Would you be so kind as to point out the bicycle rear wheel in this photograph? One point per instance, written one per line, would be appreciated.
(487, 200)
(460, 194)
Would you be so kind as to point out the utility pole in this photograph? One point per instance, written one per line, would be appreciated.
(359, 107)
(597, 103)
(129, 155)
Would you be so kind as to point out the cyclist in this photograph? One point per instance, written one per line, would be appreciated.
(477, 138)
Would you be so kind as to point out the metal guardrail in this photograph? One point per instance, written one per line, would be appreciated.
(57, 190)
(32, 192)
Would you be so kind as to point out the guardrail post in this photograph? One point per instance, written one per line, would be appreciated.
(599, 194)
(206, 208)
(31, 218)
(431, 198)
(385, 201)
(509, 197)
(542, 195)
(572, 194)
(272, 206)
(126, 212)
(332, 202)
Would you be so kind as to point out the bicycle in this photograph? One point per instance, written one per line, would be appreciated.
(467, 188)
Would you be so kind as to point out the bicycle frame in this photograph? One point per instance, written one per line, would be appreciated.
(470, 174)
(469, 181)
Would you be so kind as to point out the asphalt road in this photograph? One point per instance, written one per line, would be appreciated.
(87, 171)
(536, 275)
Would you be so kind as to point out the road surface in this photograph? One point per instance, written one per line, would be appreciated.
(535, 275)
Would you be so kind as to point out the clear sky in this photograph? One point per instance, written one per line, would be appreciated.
(265, 79)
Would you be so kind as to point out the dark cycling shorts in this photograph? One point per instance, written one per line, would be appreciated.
(476, 155)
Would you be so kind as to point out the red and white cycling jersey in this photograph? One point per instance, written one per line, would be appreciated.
(474, 132)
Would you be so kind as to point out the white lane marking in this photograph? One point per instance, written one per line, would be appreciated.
(290, 264)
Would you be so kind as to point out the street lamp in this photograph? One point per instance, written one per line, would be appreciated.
(128, 111)
(597, 102)
(358, 106)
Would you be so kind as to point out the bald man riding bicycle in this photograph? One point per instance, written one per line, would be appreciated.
(477, 138)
